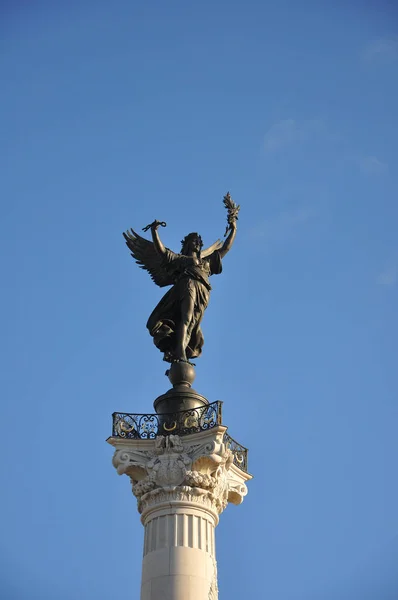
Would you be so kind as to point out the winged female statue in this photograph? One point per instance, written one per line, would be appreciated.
(175, 322)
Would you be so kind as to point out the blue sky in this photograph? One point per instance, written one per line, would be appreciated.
(114, 114)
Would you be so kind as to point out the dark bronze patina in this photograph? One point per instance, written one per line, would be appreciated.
(175, 322)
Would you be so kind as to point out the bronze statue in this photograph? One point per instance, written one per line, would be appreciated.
(175, 322)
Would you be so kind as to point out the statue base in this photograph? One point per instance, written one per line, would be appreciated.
(182, 484)
(181, 396)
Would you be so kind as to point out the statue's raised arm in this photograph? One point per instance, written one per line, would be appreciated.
(175, 322)
(148, 256)
(154, 226)
(233, 210)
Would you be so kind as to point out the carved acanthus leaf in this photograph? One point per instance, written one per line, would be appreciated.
(172, 470)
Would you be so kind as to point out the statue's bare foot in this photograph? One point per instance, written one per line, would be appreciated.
(184, 360)
(180, 356)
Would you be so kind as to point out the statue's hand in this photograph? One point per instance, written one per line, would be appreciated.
(154, 226)
(157, 224)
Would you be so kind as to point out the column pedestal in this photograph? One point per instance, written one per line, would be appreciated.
(182, 484)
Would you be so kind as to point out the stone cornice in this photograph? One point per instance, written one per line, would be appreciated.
(195, 470)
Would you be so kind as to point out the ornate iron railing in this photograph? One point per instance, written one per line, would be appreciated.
(147, 427)
(239, 452)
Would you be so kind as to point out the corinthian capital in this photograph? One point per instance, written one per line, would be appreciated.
(200, 468)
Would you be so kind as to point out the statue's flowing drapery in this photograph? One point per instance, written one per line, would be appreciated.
(191, 282)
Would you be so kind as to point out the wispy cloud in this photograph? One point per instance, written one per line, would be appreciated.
(288, 132)
(388, 276)
(371, 165)
(284, 225)
(381, 50)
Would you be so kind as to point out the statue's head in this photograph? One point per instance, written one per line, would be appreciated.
(191, 243)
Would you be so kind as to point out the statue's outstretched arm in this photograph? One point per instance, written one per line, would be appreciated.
(232, 217)
(160, 249)
(227, 245)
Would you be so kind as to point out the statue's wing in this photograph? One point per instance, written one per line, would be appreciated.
(148, 258)
(216, 246)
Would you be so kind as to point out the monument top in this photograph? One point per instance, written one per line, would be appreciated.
(175, 322)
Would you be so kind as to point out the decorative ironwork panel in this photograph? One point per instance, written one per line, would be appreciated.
(147, 427)
(239, 452)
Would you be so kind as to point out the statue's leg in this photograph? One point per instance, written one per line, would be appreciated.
(187, 310)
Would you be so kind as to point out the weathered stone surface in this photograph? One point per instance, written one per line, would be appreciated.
(182, 485)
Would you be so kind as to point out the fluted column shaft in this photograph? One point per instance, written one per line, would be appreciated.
(182, 485)
(179, 560)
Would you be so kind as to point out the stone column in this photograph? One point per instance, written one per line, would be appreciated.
(182, 484)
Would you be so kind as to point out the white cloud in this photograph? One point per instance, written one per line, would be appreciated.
(382, 50)
(388, 276)
(371, 165)
(283, 226)
(288, 132)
